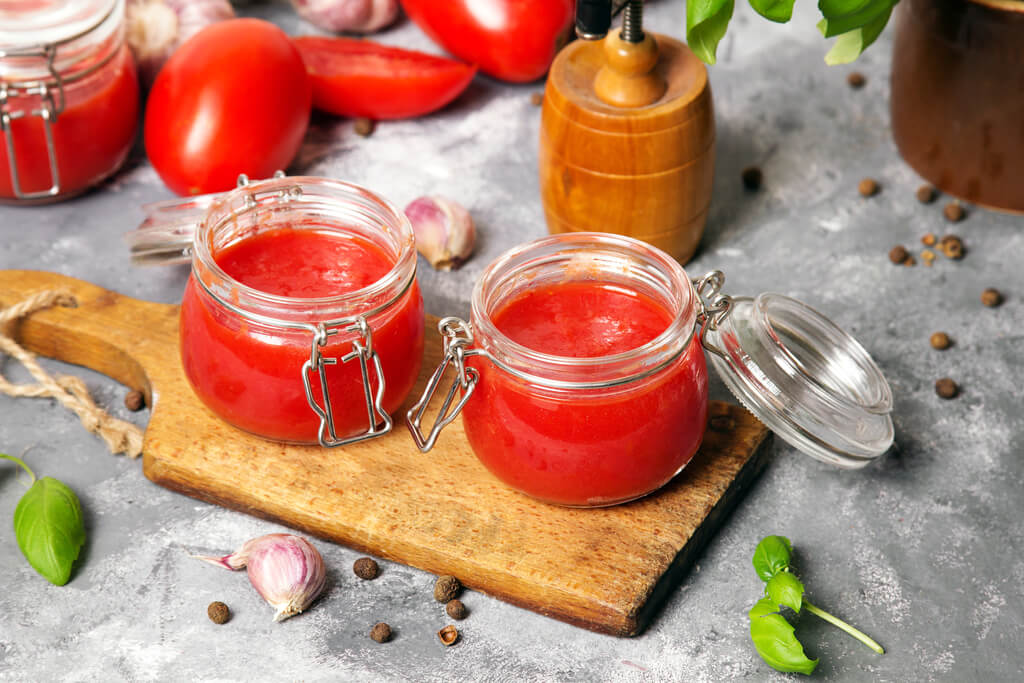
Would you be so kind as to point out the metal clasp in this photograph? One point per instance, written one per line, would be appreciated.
(457, 335)
(362, 350)
(48, 112)
(714, 306)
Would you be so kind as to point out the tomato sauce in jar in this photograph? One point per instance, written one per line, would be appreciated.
(585, 384)
(67, 134)
(600, 446)
(267, 277)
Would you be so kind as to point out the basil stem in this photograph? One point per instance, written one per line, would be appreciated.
(839, 623)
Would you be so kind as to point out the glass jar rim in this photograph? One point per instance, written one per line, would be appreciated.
(59, 40)
(633, 258)
(293, 192)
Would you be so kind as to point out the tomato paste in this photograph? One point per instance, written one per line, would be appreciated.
(250, 373)
(586, 446)
(91, 136)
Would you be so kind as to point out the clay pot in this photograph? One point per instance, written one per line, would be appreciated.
(958, 96)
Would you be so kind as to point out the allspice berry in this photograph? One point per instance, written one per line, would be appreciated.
(926, 194)
(134, 401)
(218, 612)
(954, 212)
(446, 588)
(752, 178)
(991, 297)
(364, 127)
(940, 341)
(366, 568)
(952, 246)
(456, 610)
(381, 632)
(946, 388)
(898, 254)
(448, 635)
(868, 187)
(856, 80)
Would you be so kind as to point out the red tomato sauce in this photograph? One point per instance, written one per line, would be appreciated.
(592, 446)
(91, 137)
(251, 375)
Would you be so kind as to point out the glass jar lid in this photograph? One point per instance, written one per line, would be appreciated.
(808, 380)
(40, 37)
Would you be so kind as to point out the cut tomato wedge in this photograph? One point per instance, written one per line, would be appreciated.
(361, 78)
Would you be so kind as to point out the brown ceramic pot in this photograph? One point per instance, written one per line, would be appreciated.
(958, 96)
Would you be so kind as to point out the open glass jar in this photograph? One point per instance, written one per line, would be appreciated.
(600, 430)
(69, 97)
(325, 369)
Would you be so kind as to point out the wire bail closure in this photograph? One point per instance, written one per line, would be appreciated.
(362, 350)
(48, 112)
(714, 307)
(457, 335)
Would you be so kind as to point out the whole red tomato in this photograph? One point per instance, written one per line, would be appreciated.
(514, 40)
(233, 99)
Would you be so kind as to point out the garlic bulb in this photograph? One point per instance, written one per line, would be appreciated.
(444, 231)
(356, 16)
(286, 570)
(155, 28)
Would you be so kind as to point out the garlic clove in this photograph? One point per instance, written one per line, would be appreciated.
(445, 233)
(286, 570)
(357, 16)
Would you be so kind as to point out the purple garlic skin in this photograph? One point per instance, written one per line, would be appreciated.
(444, 230)
(353, 16)
(156, 28)
(286, 570)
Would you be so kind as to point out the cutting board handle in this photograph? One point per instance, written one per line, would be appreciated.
(105, 331)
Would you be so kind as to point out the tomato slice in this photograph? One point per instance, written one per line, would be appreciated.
(361, 78)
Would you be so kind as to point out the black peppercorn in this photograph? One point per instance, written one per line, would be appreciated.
(751, 177)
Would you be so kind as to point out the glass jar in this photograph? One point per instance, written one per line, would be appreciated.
(328, 369)
(69, 97)
(602, 430)
(957, 97)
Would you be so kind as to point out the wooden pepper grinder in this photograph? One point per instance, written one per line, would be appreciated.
(627, 139)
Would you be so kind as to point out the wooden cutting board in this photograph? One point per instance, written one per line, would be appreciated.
(603, 569)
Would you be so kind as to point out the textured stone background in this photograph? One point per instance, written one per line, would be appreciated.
(921, 549)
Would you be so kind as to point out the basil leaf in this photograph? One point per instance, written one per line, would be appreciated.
(775, 640)
(833, 9)
(849, 45)
(48, 526)
(772, 556)
(830, 28)
(706, 21)
(786, 589)
(780, 11)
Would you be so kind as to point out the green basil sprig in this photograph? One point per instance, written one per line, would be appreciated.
(775, 638)
(48, 526)
(857, 23)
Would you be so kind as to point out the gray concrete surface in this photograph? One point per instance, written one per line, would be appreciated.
(922, 549)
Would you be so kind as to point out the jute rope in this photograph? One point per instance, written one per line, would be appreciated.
(71, 392)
